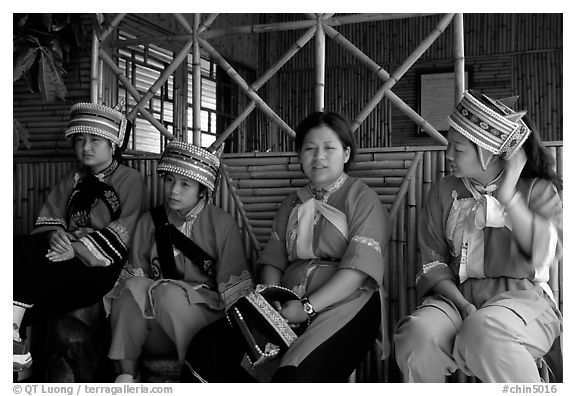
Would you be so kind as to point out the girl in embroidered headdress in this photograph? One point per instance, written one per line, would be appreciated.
(489, 234)
(328, 244)
(187, 265)
(81, 237)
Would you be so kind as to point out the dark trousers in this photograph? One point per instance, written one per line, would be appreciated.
(56, 287)
(217, 350)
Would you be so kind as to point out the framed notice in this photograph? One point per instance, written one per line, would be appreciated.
(436, 94)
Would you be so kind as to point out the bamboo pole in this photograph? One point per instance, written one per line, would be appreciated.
(184, 23)
(156, 39)
(113, 25)
(94, 65)
(135, 94)
(395, 77)
(359, 18)
(262, 28)
(459, 63)
(383, 74)
(94, 69)
(401, 258)
(297, 46)
(240, 208)
(320, 66)
(404, 186)
(182, 55)
(245, 87)
(196, 86)
(411, 243)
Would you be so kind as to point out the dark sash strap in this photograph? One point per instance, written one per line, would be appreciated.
(168, 237)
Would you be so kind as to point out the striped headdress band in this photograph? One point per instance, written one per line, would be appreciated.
(98, 120)
(496, 130)
(191, 161)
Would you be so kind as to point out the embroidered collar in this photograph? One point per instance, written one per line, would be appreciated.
(322, 194)
(474, 187)
(106, 172)
(84, 172)
(193, 213)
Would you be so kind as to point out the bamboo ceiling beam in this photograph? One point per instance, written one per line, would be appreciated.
(245, 87)
(182, 55)
(395, 77)
(297, 46)
(135, 94)
(459, 64)
(262, 28)
(359, 18)
(320, 65)
(158, 39)
(184, 23)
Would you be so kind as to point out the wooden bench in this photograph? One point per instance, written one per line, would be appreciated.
(252, 187)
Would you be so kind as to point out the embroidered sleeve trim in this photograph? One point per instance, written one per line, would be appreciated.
(109, 244)
(275, 235)
(370, 242)
(92, 248)
(49, 221)
(429, 267)
(235, 287)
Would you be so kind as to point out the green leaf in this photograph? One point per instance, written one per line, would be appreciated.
(23, 63)
(50, 81)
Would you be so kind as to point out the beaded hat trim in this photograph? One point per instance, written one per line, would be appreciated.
(98, 120)
(499, 134)
(191, 161)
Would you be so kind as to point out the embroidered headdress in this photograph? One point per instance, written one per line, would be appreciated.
(98, 120)
(189, 160)
(491, 124)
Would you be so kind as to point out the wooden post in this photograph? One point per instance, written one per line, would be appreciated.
(320, 64)
(459, 63)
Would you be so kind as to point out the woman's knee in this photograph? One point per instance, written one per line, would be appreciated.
(417, 333)
(478, 334)
(166, 296)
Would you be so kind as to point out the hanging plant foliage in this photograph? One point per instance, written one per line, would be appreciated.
(42, 42)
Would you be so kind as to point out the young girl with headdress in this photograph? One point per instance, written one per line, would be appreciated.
(489, 234)
(82, 234)
(187, 265)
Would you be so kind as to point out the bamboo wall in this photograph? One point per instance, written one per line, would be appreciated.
(402, 177)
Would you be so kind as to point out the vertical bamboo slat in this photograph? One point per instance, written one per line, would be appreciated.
(196, 85)
(320, 66)
(459, 73)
